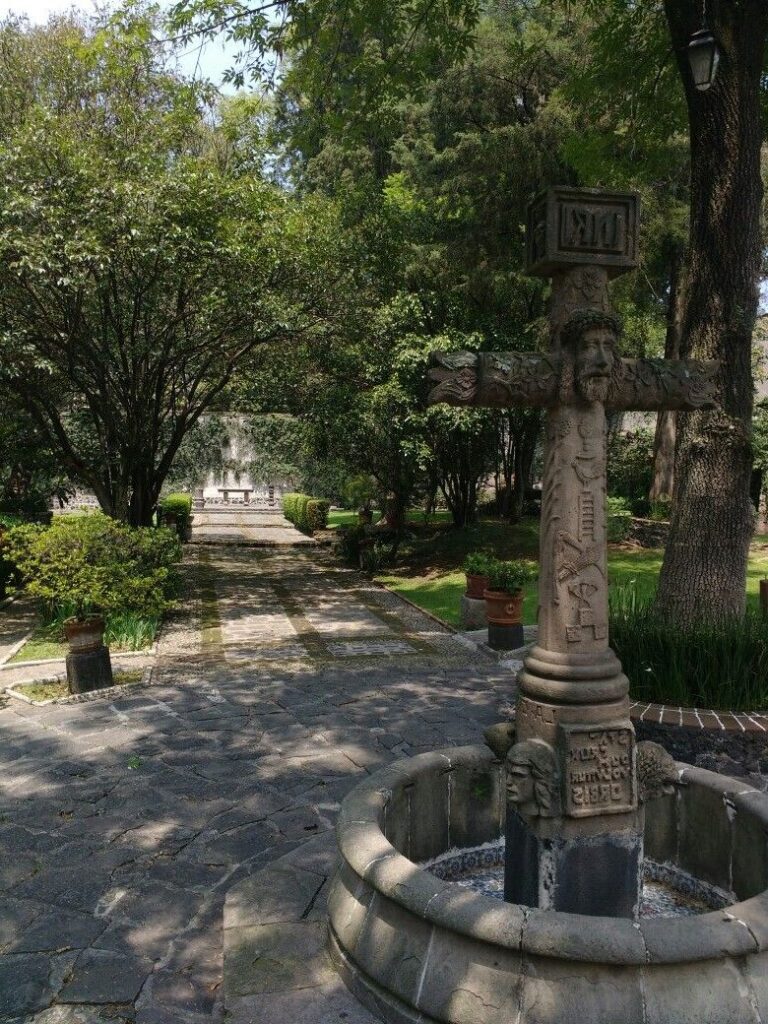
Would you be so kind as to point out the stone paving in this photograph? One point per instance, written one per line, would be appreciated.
(246, 526)
(125, 822)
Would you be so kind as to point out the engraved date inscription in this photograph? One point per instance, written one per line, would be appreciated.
(599, 775)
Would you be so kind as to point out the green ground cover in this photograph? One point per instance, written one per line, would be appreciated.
(430, 575)
(55, 689)
(124, 632)
(415, 516)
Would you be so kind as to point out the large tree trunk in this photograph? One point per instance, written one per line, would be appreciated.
(663, 483)
(704, 571)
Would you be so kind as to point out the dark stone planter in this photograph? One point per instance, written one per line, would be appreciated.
(88, 663)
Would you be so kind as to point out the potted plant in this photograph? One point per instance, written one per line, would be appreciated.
(504, 596)
(477, 566)
(85, 629)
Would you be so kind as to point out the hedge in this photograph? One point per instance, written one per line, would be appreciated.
(175, 510)
(306, 513)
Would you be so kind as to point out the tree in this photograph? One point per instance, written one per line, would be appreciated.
(705, 563)
(704, 570)
(136, 274)
(31, 474)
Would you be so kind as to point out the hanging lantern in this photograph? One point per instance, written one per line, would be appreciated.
(703, 56)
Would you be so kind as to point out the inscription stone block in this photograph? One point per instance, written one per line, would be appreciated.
(598, 770)
(569, 226)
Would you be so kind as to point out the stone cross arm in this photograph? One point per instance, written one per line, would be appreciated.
(503, 379)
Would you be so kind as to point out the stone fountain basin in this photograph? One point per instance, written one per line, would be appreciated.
(414, 948)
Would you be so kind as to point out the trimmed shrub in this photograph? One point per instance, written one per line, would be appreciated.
(317, 513)
(307, 514)
(89, 563)
(175, 511)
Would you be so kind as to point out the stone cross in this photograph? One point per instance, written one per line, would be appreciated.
(574, 827)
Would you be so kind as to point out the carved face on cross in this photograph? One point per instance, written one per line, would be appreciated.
(590, 337)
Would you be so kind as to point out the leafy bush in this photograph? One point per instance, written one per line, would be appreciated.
(378, 555)
(93, 563)
(175, 511)
(307, 514)
(477, 563)
(719, 664)
(508, 576)
(618, 519)
(360, 492)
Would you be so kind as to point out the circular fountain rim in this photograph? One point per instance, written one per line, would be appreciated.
(739, 929)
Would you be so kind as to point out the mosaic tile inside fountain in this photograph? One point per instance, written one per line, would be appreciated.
(667, 891)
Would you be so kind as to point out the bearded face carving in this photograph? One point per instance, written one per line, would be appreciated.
(589, 339)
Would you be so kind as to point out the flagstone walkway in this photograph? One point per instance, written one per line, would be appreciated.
(124, 821)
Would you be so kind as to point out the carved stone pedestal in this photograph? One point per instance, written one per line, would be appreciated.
(592, 870)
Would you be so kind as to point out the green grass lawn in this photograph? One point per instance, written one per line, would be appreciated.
(124, 633)
(59, 688)
(432, 578)
(415, 516)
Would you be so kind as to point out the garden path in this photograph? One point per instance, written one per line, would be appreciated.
(125, 820)
(246, 526)
(17, 619)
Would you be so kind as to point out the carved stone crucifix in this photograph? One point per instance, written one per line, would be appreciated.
(573, 696)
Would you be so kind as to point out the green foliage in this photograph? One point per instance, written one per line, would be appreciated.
(509, 576)
(378, 553)
(618, 519)
(630, 467)
(360, 491)
(93, 563)
(138, 267)
(306, 513)
(178, 504)
(661, 509)
(716, 664)
(478, 563)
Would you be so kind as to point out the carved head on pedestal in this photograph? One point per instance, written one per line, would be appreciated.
(533, 779)
(589, 340)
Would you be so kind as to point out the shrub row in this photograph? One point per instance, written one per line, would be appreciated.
(306, 513)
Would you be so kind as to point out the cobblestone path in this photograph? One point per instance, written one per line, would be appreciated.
(124, 821)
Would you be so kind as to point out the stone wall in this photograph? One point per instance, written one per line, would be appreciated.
(648, 533)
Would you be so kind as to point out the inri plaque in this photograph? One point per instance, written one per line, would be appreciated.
(599, 773)
(568, 226)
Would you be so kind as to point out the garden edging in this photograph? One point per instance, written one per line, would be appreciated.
(79, 698)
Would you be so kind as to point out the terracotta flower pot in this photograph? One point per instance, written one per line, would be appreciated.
(84, 634)
(476, 586)
(504, 609)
